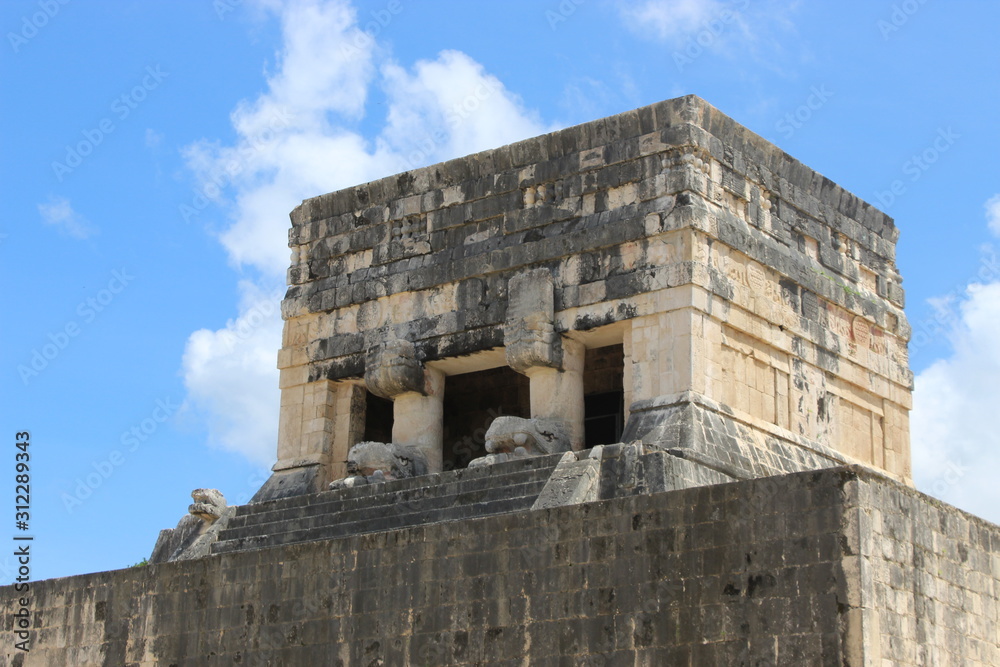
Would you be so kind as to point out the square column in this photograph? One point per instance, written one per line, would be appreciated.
(557, 394)
(418, 419)
(553, 363)
(393, 371)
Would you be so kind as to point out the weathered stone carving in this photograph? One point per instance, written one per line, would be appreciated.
(529, 332)
(537, 436)
(373, 462)
(208, 505)
(515, 437)
(543, 193)
(392, 368)
(207, 516)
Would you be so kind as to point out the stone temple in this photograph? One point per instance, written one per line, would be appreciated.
(635, 392)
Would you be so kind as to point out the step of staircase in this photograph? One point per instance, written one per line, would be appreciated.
(511, 486)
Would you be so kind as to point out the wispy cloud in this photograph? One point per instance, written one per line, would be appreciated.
(993, 214)
(297, 140)
(742, 31)
(59, 213)
(956, 446)
(231, 380)
(673, 21)
(153, 138)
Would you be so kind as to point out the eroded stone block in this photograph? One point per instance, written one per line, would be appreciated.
(392, 368)
(529, 333)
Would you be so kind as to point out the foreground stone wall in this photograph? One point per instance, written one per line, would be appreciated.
(928, 578)
(737, 280)
(828, 568)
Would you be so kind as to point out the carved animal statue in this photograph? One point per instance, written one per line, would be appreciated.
(510, 438)
(208, 504)
(537, 436)
(207, 516)
(370, 462)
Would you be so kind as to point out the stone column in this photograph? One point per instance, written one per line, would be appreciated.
(553, 364)
(393, 371)
(418, 419)
(557, 394)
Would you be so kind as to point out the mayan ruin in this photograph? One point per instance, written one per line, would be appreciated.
(634, 392)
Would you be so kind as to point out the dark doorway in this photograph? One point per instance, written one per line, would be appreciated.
(604, 418)
(378, 418)
(604, 395)
(471, 402)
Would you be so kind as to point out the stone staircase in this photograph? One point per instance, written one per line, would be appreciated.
(518, 485)
(512, 486)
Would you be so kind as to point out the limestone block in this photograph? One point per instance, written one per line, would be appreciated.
(173, 540)
(572, 482)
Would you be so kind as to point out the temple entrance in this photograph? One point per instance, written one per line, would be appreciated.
(378, 418)
(471, 402)
(604, 395)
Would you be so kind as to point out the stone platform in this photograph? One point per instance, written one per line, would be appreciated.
(833, 567)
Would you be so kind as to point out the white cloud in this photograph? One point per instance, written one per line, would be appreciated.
(448, 107)
(59, 213)
(993, 214)
(955, 441)
(230, 376)
(296, 141)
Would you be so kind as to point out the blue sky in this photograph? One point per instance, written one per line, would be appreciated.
(151, 152)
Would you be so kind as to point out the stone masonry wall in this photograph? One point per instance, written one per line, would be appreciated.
(724, 266)
(927, 576)
(834, 567)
